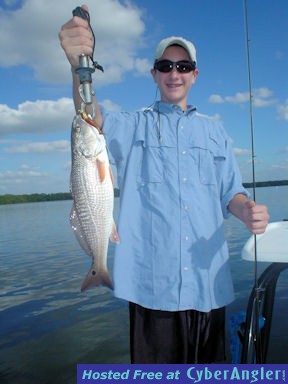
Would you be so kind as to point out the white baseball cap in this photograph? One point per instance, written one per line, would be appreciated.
(165, 43)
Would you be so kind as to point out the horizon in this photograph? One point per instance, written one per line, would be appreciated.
(248, 185)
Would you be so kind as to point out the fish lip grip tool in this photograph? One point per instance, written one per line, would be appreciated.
(84, 70)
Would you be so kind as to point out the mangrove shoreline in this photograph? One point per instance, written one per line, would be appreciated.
(38, 197)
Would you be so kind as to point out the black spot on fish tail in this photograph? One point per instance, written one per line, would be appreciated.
(94, 279)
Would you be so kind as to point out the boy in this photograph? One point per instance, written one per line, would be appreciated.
(178, 180)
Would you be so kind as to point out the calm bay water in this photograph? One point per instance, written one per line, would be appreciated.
(47, 326)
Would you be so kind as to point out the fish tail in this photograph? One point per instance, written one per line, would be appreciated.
(93, 279)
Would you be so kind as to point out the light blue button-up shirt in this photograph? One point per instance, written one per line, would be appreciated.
(177, 175)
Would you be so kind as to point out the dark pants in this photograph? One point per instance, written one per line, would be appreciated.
(184, 337)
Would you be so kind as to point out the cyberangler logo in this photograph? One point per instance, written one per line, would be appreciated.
(236, 373)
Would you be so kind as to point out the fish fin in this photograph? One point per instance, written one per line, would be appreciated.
(101, 170)
(114, 237)
(111, 174)
(94, 279)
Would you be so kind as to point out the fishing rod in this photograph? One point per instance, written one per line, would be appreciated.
(256, 335)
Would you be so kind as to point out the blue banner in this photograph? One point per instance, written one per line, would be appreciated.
(182, 373)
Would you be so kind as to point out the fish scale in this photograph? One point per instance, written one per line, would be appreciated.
(93, 199)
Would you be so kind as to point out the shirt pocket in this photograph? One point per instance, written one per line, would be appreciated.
(209, 158)
(155, 156)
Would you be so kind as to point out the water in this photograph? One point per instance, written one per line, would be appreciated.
(47, 326)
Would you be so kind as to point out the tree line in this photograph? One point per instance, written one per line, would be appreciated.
(260, 184)
(38, 197)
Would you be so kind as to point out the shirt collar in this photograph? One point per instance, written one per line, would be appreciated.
(162, 107)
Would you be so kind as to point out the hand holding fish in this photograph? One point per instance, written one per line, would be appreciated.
(76, 39)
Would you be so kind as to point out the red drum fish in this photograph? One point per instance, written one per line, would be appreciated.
(93, 198)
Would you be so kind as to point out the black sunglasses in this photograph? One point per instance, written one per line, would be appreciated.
(182, 66)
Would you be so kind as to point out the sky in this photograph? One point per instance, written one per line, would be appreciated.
(36, 108)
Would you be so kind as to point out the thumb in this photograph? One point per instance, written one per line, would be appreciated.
(250, 204)
(85, 7)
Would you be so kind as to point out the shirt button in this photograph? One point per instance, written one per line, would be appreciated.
(186, 207)
(184, 179)
(184, 152)
(186, 238)
(185, 268)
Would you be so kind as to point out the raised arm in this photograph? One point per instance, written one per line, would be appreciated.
(76, 39)
(254, 216)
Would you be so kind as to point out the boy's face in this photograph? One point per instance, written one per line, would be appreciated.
(174, 87)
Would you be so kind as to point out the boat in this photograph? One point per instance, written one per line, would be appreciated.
(250, 331)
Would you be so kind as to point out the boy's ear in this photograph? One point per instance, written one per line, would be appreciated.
(153, 73)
